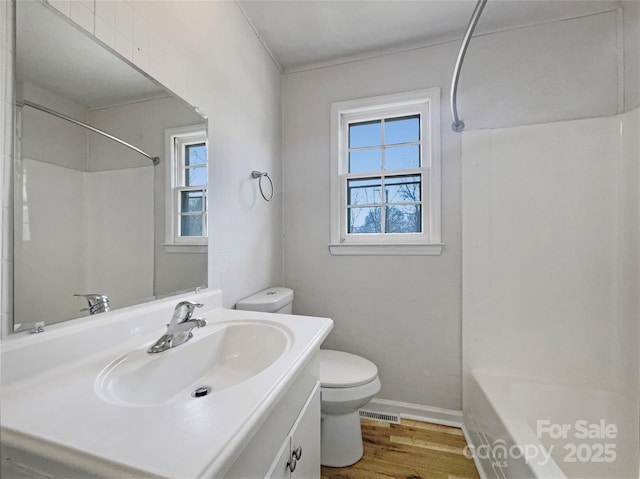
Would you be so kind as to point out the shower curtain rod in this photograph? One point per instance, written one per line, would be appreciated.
(458, 124)
(154, 159)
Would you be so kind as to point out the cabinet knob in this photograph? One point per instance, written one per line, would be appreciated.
(297, 453)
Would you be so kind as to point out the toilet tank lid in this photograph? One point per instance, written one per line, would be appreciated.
(268, 300)
(344, 370)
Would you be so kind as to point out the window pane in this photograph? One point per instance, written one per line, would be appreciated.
(364, 220)
(402, 157)
(191, 201)
(361, 161)
(195, 154)
(196, 176)
(191, 225)
(364, 191)
(402, 130)
(403, 219)
(367, 133)
(402, 189)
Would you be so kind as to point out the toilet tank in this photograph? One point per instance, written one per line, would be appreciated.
(270, 300)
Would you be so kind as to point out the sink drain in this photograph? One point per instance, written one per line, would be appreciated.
(201, 392)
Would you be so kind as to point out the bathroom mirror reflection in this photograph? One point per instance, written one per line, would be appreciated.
(89, 213)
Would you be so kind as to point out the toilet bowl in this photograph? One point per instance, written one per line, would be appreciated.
(347, 382)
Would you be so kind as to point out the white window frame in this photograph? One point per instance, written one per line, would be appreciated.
(428, 242)
(175, 141)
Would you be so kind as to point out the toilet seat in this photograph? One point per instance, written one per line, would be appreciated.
(344, 370)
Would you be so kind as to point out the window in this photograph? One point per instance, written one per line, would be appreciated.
(386, 175)
(186, 192)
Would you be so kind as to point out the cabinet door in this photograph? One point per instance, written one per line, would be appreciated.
(305, 439)
(280, 467)
(299, 455)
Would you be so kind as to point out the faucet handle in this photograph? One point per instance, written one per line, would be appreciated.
(189, 306)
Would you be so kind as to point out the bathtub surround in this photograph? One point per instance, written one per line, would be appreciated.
(554, 201)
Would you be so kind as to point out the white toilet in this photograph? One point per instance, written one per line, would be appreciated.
(347, 382)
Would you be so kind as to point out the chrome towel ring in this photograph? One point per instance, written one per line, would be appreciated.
(258, 174)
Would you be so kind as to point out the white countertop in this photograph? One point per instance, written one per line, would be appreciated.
(59, 412)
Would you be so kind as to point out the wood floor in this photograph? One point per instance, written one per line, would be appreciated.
(412, 449)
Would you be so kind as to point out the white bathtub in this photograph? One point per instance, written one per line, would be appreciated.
(526, 429)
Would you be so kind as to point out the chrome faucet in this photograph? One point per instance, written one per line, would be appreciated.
(98, 303)
(179, 329)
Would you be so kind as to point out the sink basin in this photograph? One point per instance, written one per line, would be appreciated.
(231, 354)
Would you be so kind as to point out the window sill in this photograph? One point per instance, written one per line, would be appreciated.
(362, 249)
(185, 248)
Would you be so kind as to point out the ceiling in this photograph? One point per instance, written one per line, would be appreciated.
(303, 33)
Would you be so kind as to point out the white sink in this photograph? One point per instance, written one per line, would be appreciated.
(230, 354)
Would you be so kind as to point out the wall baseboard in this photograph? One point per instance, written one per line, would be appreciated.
(418, 412)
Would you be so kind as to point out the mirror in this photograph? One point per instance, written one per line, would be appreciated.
(89, 213)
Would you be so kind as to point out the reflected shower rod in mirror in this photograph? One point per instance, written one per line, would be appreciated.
(154, 159)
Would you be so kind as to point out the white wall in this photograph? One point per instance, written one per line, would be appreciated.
(232, 79)
(404, 313)
(51, 139)
(143, 124)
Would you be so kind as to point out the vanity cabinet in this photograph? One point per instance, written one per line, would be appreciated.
(291, 429)
(299, 455)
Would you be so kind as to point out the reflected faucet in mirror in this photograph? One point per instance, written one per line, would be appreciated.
(179, 329)
(98, 303)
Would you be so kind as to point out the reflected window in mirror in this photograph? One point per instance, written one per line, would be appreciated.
(188, 164)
